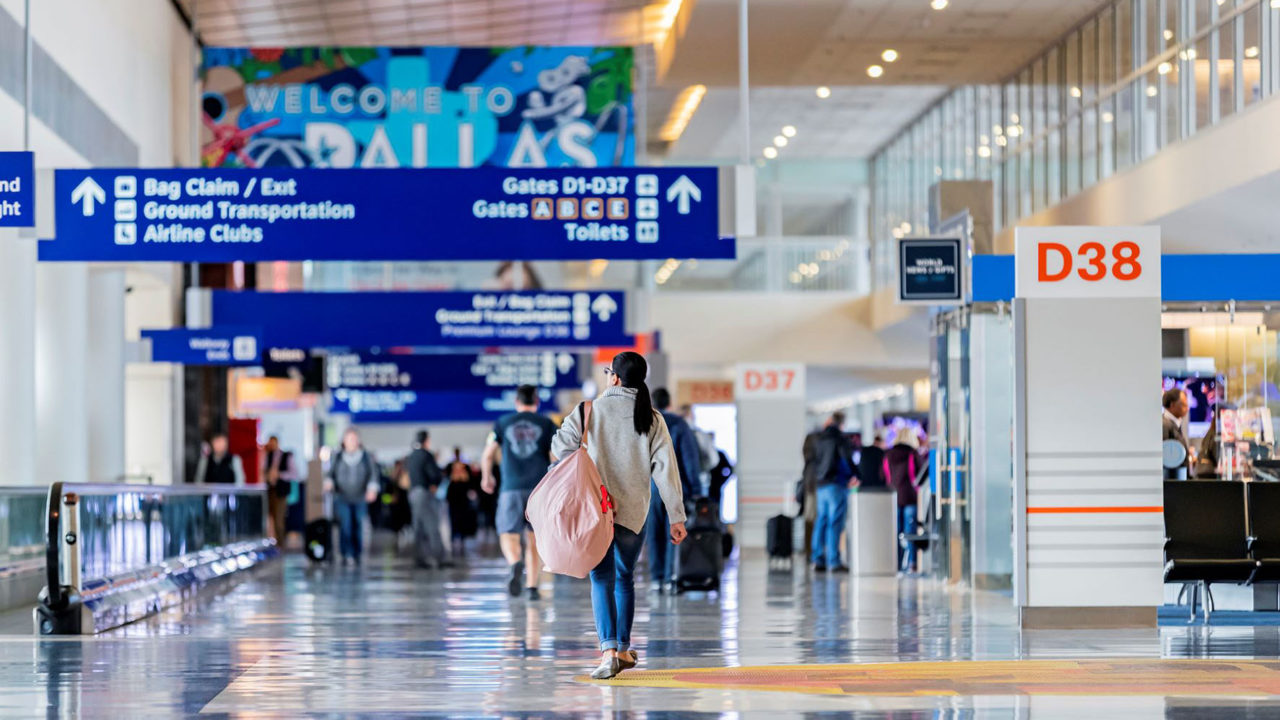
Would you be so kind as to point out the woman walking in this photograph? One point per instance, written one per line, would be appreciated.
(630, 445)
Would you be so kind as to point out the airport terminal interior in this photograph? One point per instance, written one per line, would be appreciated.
(671, 358)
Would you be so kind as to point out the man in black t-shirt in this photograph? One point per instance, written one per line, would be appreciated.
(524, 438)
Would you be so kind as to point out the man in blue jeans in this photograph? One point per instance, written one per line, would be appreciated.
(834, 468)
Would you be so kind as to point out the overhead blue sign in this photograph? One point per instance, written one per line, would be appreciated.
(481, 372)
(226, 215)
(17, 189)
(206, 346)
(427, 319)
(399, 406)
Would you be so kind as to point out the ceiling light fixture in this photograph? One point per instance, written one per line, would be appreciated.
(771, 152)
(1075, 91)
(789, 130)
(779, 141)
(889, 55)
(1164, 68)
(1275, 4)
(1251, 51)
(984, 151)
(940, 4)
(1168, 34)
(823, 92)
(1107, 117)
(875, 71)
(682, 111)
(1152, 91)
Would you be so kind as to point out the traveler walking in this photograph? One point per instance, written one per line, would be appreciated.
(424, 478)
(901, 463)
(808, 491)
(662, 553)
(219, 465)
(461, 500)
(524, 439)
(354, 481)
(630, 445)
(277, 470)
(833, 470)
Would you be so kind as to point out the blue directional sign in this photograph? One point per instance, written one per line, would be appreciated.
(427, 319)
(487, 213)
(475, 372)
(17, 189)
(209, 346)
(400, 406)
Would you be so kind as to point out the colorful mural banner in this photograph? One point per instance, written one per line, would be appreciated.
(340, 107)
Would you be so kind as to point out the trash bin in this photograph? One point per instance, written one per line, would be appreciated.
(872, 532)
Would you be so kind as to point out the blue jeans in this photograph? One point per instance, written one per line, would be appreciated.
(350, 526)
(833, 504)
(613, 590)
(906, 525)
(661, 552)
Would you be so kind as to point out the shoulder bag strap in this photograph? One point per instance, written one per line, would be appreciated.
(584, 414)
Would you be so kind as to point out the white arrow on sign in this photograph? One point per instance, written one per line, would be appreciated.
(564, 361)
(683, 189)
(604, 307)
(86, 193)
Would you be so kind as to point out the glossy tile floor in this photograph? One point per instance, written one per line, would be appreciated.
(388, 640)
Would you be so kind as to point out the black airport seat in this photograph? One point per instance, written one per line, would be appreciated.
(1264, 529)
(1206, 538)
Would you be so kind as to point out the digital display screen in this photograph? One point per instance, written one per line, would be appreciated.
(929, 270)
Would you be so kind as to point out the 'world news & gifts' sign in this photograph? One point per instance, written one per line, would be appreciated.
(341, 107)
(551, 319)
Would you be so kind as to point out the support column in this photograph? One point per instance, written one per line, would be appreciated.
(18, 358)
(771, 430)
(1088, 481)
(105, 394)
(62, 370)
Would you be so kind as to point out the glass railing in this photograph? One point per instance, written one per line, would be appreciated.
(780, 264)
(125, 527)
(22, 530)
(801, 263)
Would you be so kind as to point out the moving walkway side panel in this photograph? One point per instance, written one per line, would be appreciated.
(182, 539)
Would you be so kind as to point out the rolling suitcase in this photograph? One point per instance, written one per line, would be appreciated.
(699, 560)
(779, 534)
(319, 540)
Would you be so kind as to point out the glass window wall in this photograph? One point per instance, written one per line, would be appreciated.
(1133, 78)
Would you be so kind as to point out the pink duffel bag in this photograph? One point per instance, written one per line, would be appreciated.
(571, 513)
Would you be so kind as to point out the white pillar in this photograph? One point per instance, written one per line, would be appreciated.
(18, 358)
(62, 368)
(1088, 484)
(771, 430)
(105, 393)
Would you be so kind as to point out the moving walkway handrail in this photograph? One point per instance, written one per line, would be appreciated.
(57, 592)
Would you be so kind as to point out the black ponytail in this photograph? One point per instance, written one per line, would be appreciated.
(631, 369)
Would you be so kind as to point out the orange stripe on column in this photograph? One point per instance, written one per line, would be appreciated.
(1107, 509)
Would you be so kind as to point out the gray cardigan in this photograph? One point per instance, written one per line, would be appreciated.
(626, 460)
